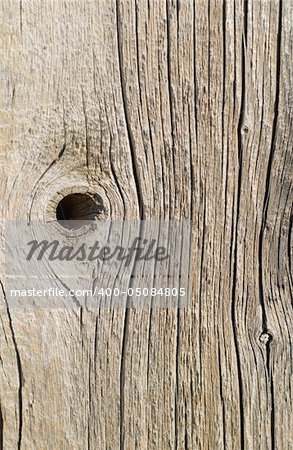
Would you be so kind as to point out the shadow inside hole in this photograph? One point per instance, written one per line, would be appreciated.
(78, 207)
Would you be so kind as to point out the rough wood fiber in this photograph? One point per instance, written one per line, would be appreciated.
(168, 109)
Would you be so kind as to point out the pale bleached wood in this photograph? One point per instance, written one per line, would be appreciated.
(168, 110)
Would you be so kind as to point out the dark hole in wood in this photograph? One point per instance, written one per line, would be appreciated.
(75, 207)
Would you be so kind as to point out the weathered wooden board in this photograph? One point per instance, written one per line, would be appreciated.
(168, 109)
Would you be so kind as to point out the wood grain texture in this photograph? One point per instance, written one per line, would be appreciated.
(167, 109)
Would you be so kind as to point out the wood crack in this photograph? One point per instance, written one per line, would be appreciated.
(264, 223)
(238, 201)
(19, 369)
(126, 115)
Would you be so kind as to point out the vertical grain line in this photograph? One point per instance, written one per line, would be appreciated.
(126, 114)
(169, 77)
(222, 396)
(235, 256)
(139, 202)
(276, 114)
(200, 302)
(177, 420)
(191, 170)
(234, 42)
(170, 95)
(20, 16)
(289, 243)
(264, 219)
(86, 129)
(224, 71)
(224, 19)
(176, 393)
(137, 50)
(173, 127)
(186, 446)
(271, 380)
(195, 74)
(122, 375)
(209, 55)
(19, 370)
(89, 406)
(1, 429)
(111, 162)
(149, 345)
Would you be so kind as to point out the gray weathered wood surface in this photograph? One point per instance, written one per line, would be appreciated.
(169, 109)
